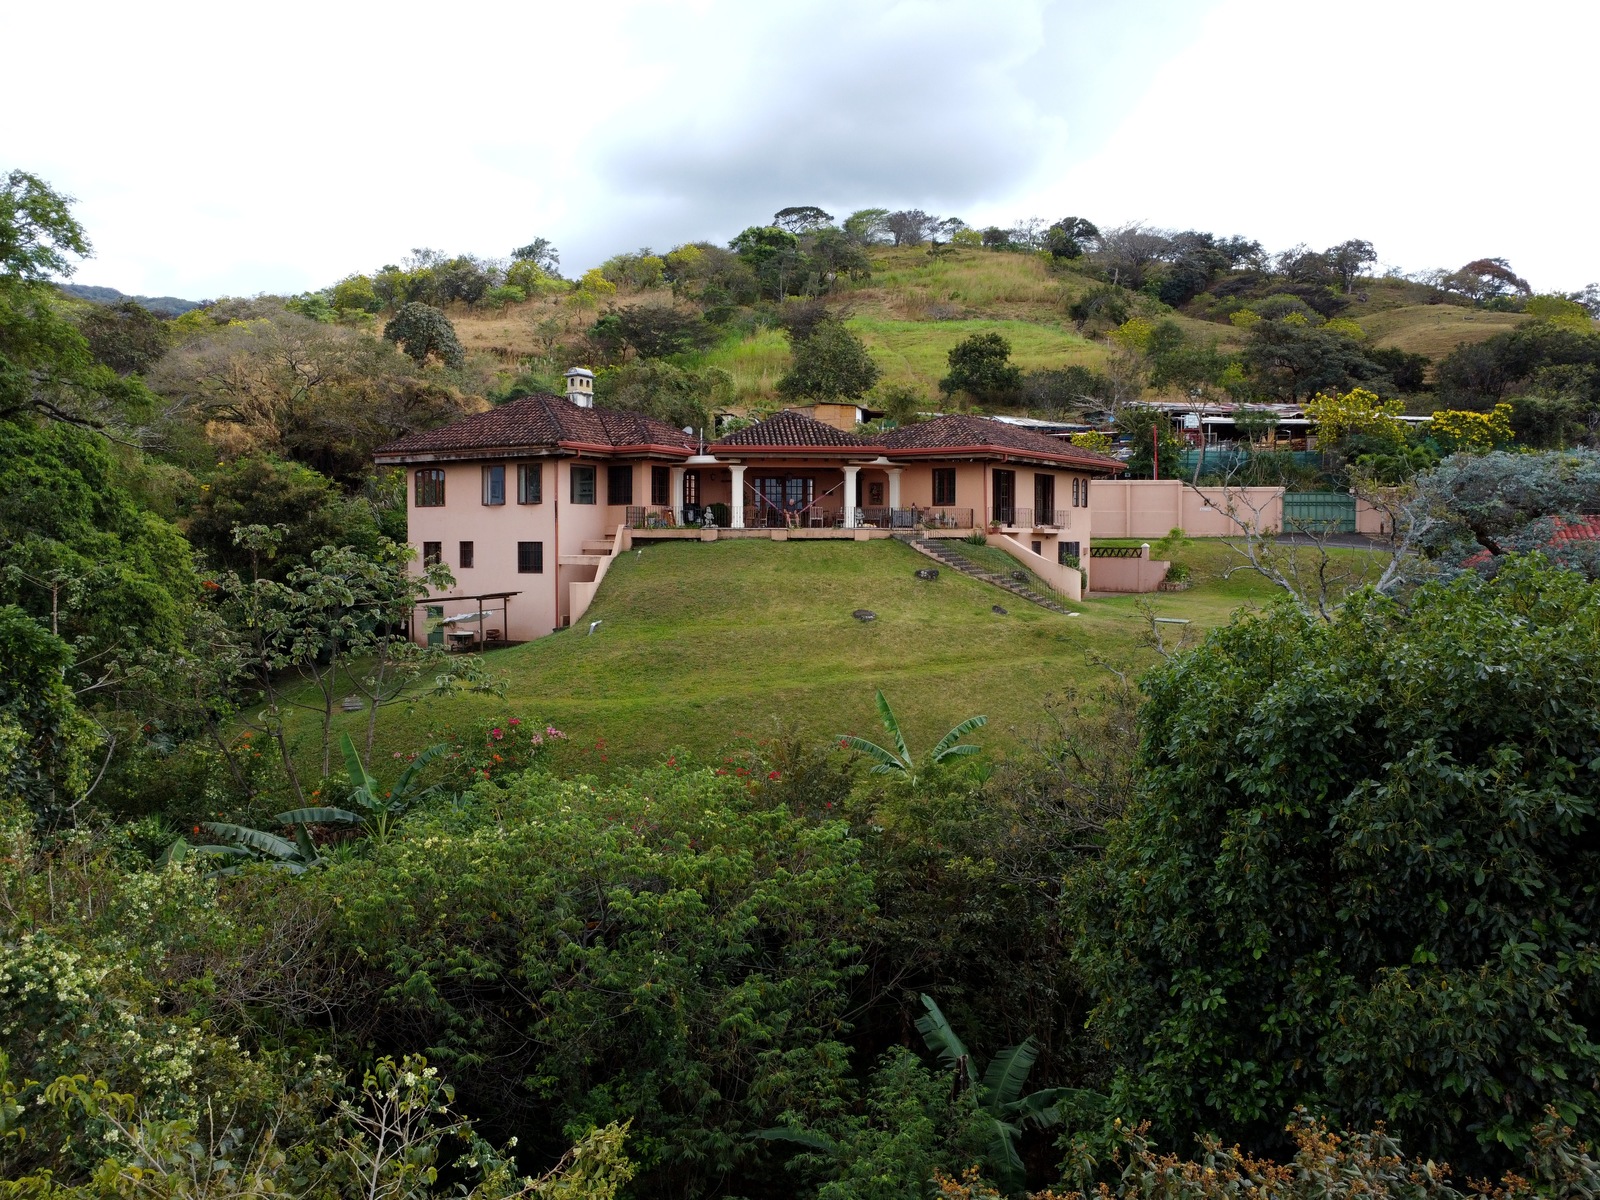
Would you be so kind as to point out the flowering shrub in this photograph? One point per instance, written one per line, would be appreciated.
(499, 749)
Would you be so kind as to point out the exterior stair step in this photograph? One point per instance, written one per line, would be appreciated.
(956, 561)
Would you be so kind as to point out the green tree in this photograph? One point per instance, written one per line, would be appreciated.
(801, 218)
(640, 270)
(78, 552)
(47, 743)
(1069, 237)
(542, 253)
(683, 952)
(652, 330)
(981, 367)
(1155, 449)
(683, 397)
(127, 337)
(424, 332)
(1292, 360)
(1348, 258)
(1105, 304)
(305, 506)
(830, 364)
(47, 368)
(355, 293)
(772, 253)
(1358, 873)
(867, 226)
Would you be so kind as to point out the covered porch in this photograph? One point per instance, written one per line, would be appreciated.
(476, 622)
(798, 496)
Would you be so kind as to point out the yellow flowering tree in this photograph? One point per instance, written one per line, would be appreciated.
(1357, 413)
(590, 289)
(1473, 432)
(1133, 334)
(1094, 440)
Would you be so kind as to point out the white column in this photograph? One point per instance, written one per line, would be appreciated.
(737, 520)
(850, 497)
(894, 486)
(676, 498)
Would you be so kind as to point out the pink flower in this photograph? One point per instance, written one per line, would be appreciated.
(496, 734)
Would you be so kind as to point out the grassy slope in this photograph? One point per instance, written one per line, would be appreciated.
(700, 643)
(913, 309)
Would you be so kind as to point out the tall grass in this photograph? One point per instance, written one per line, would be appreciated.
(968, 278)
(917, 352)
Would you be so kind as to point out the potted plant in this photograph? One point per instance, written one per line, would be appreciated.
(994, 525)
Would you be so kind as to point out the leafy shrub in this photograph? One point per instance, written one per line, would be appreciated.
(1359, 872)
(674, 951)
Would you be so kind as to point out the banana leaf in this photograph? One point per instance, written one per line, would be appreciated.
(1007, 1073)
(800, 1137)
(942, 1040)
(318, 816)
(255, 839)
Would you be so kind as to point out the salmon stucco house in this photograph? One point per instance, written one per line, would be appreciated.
(529, 502)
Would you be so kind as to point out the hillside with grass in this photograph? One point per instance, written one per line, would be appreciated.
(704, 646)
(910, 308)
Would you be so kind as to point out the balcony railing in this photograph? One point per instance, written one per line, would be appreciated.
(817, 516)
(1029, 518)
(911, 518)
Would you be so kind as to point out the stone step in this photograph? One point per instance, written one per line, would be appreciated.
(957, 561)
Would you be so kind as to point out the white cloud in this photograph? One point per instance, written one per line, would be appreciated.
(225, 149)
(1440, 131)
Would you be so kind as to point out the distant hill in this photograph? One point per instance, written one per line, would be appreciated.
(166, 306)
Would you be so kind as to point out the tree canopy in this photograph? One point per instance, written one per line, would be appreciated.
(1358, 873)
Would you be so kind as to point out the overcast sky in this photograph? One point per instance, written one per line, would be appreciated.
(232, 149)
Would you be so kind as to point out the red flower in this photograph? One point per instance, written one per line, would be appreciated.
(514, 722)
(772, 775)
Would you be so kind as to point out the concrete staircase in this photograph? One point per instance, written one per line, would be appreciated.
(945, 554)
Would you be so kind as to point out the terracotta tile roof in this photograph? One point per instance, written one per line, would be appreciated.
(1576, 529)
(959, 432)
(541, 420)
(794, 431)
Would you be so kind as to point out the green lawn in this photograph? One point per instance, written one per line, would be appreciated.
(702, 643)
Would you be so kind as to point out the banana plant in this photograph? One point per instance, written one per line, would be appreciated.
(380, 808)
(373, 809)
(999, 1092)
(899, 761)
(242, 842)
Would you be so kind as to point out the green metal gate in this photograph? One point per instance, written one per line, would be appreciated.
(1319, 512)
